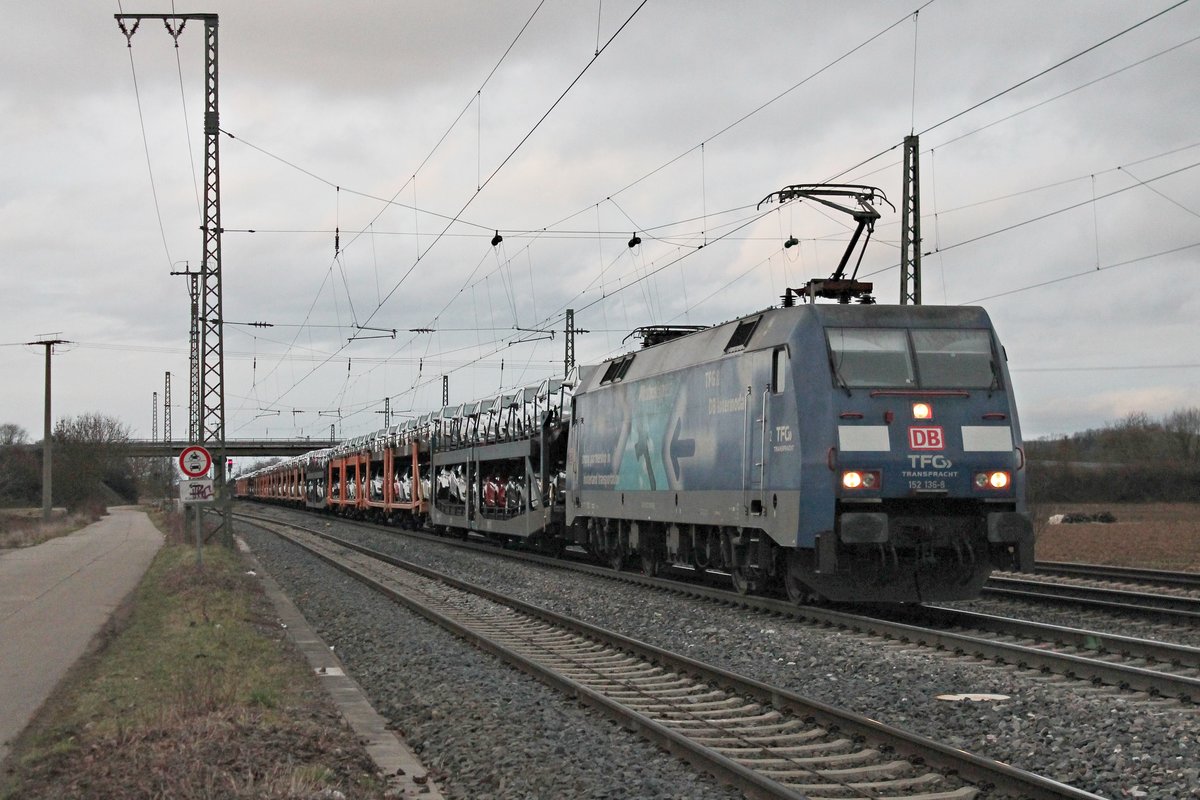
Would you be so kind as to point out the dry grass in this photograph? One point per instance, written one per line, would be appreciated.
(26, 530)
(232, 753)
(1150, 535)
(198, 695)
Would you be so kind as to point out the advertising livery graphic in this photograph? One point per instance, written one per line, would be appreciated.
(655, 434)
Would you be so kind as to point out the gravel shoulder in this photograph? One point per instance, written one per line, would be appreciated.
(486, 731)
(1096, 739)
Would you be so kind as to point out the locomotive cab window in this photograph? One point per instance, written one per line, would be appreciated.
(875, 357)
(961, 358)
(779, 370)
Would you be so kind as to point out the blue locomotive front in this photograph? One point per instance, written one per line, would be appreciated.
(851, 452)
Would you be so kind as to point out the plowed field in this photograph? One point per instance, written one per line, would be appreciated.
(1151, 535)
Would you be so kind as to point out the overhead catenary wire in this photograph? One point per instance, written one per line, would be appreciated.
(973, 107)
(392, 201)
(512, 153)
(492, 175)
(146, 146)
(544, 233)
(1089, 271)
(547, 234)
(187, 126)
(1047, 70)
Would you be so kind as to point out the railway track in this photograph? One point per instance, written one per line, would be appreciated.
(1086, 593)
(768, 742)
(1159, 669)
(1135, 575)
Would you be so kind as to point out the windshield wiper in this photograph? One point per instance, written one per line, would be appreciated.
(837, 376)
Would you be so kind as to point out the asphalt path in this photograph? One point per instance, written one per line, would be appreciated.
(55, 598)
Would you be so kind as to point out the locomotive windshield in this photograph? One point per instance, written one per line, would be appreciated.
(954, 358)
(878, 357)
(890, 358)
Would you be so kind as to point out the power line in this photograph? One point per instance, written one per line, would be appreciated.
(546, 233)
(1050, 69)
(392, 200)
(1041, 217)
(146, 146)
(1089, 271)
(1015, 86)
(509, 157)
(1109, 368)
(490, 177)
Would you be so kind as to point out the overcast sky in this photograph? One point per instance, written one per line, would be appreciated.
(376, 147)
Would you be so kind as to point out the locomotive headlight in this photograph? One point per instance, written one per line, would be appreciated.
(992, 480)
(922, 411)
(860, 479)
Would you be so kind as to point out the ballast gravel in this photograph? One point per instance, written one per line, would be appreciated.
(483, 729)
(496, 733)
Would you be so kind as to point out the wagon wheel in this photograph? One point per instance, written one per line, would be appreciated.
(616, 559)
(550, 545)
(650, 564)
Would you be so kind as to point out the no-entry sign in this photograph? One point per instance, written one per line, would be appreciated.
(195, 461)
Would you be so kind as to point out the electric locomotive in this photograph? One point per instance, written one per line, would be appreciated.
(850, 452)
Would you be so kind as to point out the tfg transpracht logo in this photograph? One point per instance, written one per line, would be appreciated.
(926, 438)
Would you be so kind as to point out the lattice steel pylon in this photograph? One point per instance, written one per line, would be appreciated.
(910, 225)
(194, 358)
(194, 363)
(569, 338)
(167, 408)
(211, 388)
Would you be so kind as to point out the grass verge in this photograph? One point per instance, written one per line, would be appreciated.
(26, 530)
(195, 693)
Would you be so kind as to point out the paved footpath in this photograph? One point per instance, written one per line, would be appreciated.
(55, 597)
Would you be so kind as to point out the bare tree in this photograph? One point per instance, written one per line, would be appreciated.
(91, 465)
(1184, 428)
(12, 434)
(20, 468)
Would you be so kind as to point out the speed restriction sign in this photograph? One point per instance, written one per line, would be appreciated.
(195, 461)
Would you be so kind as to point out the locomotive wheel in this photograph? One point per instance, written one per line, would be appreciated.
(649, 564)
(797, 590)
(742, 582)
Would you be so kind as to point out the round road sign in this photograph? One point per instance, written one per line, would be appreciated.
(195, 461)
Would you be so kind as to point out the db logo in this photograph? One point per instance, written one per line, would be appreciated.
(930, 438)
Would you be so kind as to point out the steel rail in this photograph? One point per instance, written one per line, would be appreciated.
(983, 772)
(1098, 641)
(1166, 606)
(879, 622)
(1162, 577)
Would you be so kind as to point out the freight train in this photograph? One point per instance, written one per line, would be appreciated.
(849, 452)
(838, 451)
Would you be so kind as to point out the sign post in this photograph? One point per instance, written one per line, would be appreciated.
(195, 462)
